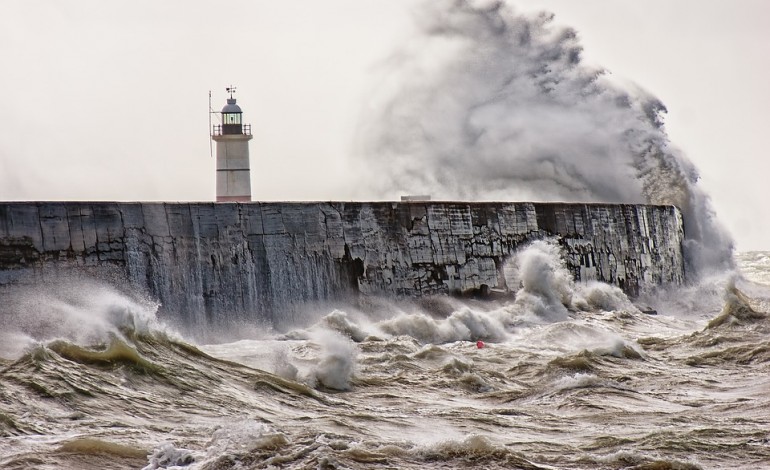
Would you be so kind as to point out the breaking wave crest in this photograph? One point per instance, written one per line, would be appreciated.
(81, 312)
(474, 450)
(116, 352)
(737, 310)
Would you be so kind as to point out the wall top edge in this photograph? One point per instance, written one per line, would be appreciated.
(378, 202)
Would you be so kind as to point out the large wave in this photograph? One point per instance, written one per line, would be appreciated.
(489, 103)
(78, 310)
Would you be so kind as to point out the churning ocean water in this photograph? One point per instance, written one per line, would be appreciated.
(564, 375)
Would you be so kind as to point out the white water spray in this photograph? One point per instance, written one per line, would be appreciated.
(488, 103)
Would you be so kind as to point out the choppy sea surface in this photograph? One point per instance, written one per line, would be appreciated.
(564, 375)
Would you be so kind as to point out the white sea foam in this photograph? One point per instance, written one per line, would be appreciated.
(239, 437)
(475, 447)
(465, 324)
(630, 459)
(579, 380)
(167, 455)
(578, 335)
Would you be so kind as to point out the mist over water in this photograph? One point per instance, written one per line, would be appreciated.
(488, 103)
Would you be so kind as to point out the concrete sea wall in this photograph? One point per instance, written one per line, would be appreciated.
(266, 261)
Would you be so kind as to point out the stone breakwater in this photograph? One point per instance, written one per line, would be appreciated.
(266, 261)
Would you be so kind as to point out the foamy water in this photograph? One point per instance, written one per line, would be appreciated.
(570, 376)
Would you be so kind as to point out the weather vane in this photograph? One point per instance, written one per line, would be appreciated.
(231, 90)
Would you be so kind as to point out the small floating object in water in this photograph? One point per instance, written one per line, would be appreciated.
(480, 344)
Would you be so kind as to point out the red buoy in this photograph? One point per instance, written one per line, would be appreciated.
(480, 344)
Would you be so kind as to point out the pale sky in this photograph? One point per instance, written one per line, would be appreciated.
(108, 100)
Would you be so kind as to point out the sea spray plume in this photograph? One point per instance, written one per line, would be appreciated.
(547, 289)
(546, 285)
(489, 103)
(337, 361)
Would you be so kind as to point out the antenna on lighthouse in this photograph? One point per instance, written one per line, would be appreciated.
(211, 140)
(231, 90)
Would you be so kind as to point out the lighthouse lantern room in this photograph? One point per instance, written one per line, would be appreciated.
(232, 138)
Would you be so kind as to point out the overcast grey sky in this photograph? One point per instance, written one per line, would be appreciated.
(107, 100)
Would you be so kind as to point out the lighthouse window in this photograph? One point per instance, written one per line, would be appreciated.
(234, 118)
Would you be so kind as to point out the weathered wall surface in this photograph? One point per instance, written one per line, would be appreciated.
(265, 260)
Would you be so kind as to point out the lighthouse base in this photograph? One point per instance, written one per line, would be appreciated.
(233, 198)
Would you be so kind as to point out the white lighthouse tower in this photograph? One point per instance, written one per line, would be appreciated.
(232, 138)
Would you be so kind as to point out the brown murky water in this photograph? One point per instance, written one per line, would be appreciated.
(569, 377)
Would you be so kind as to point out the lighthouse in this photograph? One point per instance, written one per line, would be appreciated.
(232, 138)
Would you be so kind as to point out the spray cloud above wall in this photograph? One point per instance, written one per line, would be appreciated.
(488, 103)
